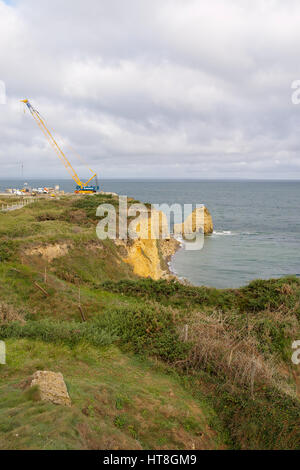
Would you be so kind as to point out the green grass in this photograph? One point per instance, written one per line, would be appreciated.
(257, 296)
(146, 329)
(133, 379)
(118, 402)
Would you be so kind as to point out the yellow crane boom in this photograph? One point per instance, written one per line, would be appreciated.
(81, 187)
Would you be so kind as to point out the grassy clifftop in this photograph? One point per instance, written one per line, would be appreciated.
(157, 364)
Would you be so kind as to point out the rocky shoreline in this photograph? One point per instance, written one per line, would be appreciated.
(152, 257)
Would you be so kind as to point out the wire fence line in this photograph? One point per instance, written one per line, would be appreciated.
(16, 205)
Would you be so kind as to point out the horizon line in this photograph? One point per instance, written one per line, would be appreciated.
(150, 178)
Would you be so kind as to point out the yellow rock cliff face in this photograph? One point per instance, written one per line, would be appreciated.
(143, 252)
(144, 257)
(198, 219)
(149, 257)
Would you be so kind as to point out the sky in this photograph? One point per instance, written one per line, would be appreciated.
(152, 88)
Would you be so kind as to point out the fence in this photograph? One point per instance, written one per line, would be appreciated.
(17, 205)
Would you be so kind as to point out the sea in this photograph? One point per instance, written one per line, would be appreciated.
(256, 225)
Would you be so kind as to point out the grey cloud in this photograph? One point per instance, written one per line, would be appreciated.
(150, 88)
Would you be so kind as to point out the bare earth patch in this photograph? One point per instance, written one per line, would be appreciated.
(49, 252)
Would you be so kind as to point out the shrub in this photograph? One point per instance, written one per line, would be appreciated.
(271, 421)
(7, 250)
(270, 294)
(173, 293)
(148, 329)
(70, 333)
(90, 204)
(144, 330)
(9, 314)
(257, 296)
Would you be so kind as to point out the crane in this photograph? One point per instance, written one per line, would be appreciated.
(81, 188)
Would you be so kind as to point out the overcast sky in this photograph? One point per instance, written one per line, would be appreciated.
(152, 88)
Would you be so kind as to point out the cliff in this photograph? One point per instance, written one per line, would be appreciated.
(199, 218)
(149, 257)
(117, 363)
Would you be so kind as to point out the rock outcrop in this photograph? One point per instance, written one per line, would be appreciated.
(51, 387)
(142, 252)
(199, 219)
(143, 256)
(149, 256)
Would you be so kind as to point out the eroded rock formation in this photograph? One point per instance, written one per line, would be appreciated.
(149, 256)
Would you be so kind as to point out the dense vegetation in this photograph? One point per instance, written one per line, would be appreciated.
(158, 364)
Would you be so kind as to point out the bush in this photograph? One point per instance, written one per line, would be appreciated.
(144, 330)
(270, 294)
(257, 296)
(7, 250)
(257, 425)
(70, 333)
(173, 293)
(9, 314)
(90, 204)
(147, 329)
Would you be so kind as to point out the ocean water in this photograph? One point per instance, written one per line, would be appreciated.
(256, 226)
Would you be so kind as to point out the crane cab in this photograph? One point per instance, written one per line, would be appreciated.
(86, 189)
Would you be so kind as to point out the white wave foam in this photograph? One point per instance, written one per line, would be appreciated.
(222, 232)
(180, 240)
(171, 268)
